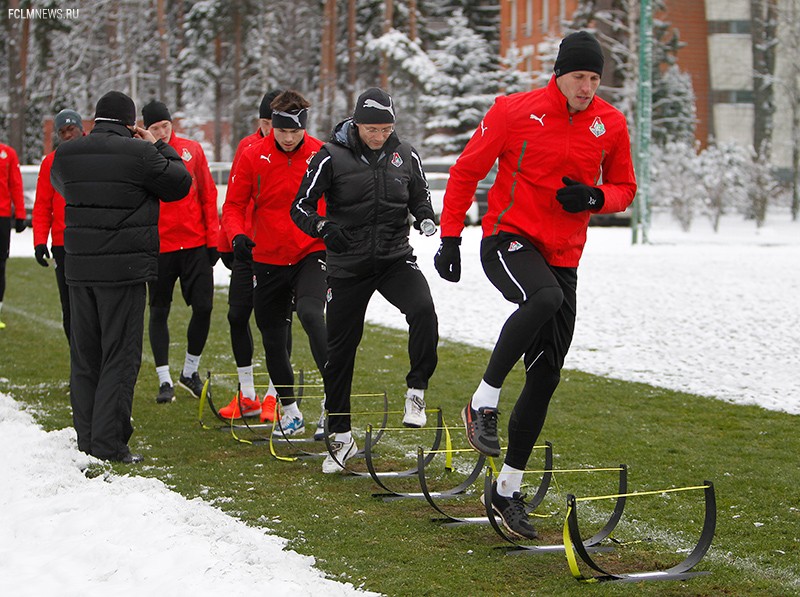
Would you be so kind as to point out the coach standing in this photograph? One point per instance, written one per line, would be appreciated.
(111, 180)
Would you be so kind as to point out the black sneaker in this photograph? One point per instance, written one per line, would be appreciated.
(511, 511)
(131, 458)
(194, 384)
(481, 428)
(166, 393)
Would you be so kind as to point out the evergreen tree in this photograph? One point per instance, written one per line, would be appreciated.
(468, 79)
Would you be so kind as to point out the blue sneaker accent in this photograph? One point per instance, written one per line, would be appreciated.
(290, 426)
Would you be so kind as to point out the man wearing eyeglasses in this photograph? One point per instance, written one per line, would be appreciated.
(371, 181)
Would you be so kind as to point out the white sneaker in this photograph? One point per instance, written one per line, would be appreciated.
(289, 426)
(414, 413)
(343, 452)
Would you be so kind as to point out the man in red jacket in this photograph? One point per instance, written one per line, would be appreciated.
(562, 154)
(240, 293)
(48, 211)
(188, 230)
(287, 263)
(11, 203)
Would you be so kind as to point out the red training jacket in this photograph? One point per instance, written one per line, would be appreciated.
(536, 141)
(10, 184)
(270, 178)
(193, 221)
(224, 241)
(48, 208)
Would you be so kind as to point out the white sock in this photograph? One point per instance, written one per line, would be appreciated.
(485, 395)
(1, 305)
(509, 480)
(271, 389)
(291, 411)
(190, 364)
(163, 375)
(246, 383)
(415, 392)
(345, 437)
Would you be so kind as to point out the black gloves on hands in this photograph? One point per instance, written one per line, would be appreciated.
(42, 254)
(334, 238)
(425, 226)
(19, 225)
(243, 247)
(447, 260)
(577, 197)
(213, 255)
(227, 259)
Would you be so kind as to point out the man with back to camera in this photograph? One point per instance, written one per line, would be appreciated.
(188, 232)
(111, 181)
(48, 211)
(562, 155)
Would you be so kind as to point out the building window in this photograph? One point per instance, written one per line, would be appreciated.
(729, 27)
(732, 96)
(512, 4)
(545, 16)
(528, 18)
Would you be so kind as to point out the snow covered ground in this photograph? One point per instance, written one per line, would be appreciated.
(714, 314)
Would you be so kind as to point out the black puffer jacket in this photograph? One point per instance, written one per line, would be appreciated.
(112, 184)
(371, 203)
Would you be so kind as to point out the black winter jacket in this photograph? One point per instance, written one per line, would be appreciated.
(371, 203)
(112, 184)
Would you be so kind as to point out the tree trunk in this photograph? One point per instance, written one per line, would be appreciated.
(352, 67)
(764, 23)
(164, 51)
(237, 126)
(218, 100)
(17, 34)
(388, 19)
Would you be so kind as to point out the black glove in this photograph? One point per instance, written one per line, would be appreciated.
(577, 197)
(20, 225)
(425, 226)
(213, 255)
(41, 252)
(334, 238)
(447, 260)
(243, 247)
(227, 259)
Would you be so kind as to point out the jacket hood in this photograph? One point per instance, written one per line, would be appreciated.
(344, 134)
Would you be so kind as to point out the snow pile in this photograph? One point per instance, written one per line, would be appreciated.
(64, 534)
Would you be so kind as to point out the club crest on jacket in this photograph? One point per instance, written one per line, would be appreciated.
(598, 128)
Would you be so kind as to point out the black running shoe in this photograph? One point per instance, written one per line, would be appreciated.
(194, 384)
(166, 393)
(511, 511)
(481, 428)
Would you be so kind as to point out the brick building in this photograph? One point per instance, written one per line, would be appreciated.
(716, 53)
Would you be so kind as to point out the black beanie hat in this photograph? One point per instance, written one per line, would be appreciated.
(374, 106)
(265, 110)
(579, 51)
(117, 107)
(155, 111)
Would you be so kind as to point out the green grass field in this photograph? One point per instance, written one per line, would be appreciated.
(667, 439)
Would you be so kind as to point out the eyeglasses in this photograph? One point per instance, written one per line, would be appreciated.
(384, 132)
